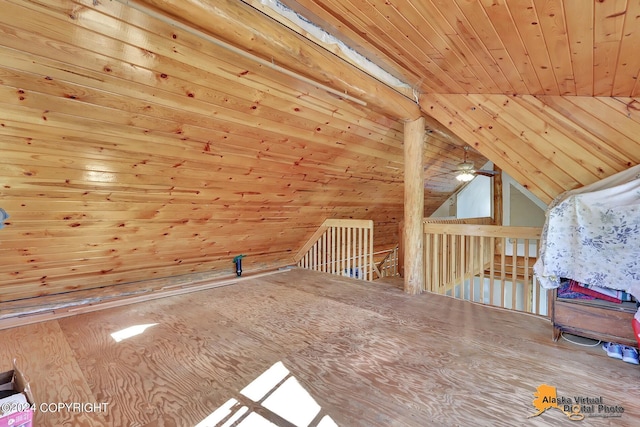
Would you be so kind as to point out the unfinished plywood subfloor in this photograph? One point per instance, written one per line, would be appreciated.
(368, 354)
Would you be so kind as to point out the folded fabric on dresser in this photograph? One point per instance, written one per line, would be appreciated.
(592, 235)
(597, 292)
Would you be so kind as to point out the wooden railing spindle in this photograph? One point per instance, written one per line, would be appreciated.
(343, 247)
(457, 254)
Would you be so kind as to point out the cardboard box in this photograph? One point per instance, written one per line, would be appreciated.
(16, 410)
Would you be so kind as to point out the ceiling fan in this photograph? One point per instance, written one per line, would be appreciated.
(466, 171)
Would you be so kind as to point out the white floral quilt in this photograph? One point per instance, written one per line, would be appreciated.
(592, 235)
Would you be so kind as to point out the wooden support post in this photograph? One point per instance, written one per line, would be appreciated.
(414, 135)
(498, 207)
(401, 249)
(497, 196)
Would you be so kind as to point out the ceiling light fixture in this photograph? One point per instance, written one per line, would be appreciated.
(465, 169)
(465, 176)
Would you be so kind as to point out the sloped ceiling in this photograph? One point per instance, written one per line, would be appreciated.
(548, 144)
(136, 145)
(535, 47)
(543, 88)
(133, 149)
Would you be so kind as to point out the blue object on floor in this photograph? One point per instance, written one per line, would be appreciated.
(238, 261)
(630, 355)
(613, 350)
(352, 272)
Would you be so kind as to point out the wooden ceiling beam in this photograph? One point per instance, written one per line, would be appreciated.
(246, 29)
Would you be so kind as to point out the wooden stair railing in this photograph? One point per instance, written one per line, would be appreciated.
(387, 266)
(489, 264)
(340, 246)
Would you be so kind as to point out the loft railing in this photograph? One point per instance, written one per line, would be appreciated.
(437, 220)
(485, 220)
(388, 267)
(340, 246)
(488, 264)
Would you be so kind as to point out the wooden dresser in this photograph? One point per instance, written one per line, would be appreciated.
(596, 319)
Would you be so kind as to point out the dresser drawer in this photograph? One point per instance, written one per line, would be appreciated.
(603, 322)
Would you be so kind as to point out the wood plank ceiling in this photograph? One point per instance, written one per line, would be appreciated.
(535, 47)
(140, 139)
(546, 89)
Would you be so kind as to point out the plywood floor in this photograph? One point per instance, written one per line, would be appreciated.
(366, 354)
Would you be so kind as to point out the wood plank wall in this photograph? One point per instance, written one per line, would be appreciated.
(548, 144)
(132, 150)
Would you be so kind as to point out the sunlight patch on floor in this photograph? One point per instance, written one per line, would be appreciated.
(276, 395)
(131, 331)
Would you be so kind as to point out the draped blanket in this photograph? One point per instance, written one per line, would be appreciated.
(592, 235)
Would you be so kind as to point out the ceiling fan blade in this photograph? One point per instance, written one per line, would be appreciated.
(485, 172)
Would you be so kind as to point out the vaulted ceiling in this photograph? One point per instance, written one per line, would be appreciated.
(534, 47)
(154, 138)
(544, 88)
